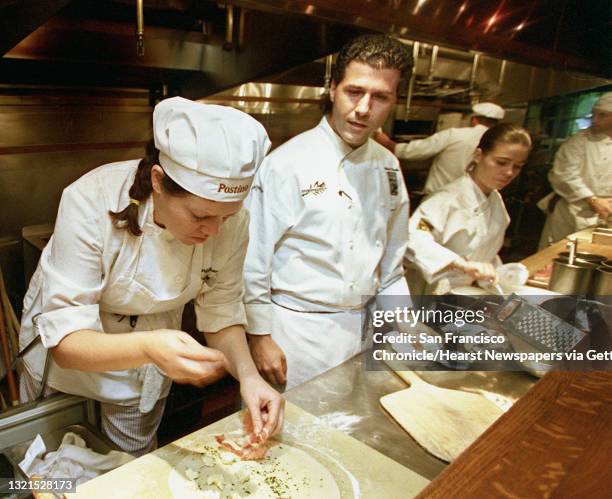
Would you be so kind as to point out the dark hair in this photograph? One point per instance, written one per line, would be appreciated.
(377, 51)
(505, 133)
(141, 189)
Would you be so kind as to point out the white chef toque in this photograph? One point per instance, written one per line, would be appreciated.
(489, 110)
(211, 151)
(604, 103)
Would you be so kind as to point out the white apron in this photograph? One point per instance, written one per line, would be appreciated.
(315, 342)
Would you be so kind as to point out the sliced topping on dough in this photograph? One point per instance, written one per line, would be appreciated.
(243, 475)
(208, 460)
(191, 474)
(244, 448)
(228, 457)
(215, 480)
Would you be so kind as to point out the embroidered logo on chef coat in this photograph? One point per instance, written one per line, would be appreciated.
(316, 189)
(424, 225)
(393, 183)
(209, 275)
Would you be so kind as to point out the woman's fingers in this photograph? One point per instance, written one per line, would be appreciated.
(255, 414)
(275, 415)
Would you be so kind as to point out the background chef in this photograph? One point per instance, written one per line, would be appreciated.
(452, 149)
(133, 242)
(329, 223)
(581, 178)
(456, 232)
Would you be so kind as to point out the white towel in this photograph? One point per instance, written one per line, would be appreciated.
(73, 459)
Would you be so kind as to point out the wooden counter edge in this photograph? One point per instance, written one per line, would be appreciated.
(554, 442)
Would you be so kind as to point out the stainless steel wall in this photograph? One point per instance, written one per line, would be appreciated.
(48, 141)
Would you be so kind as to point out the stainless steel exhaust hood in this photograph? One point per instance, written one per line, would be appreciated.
(201, 47)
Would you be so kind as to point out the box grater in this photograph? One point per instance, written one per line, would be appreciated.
(538, 327)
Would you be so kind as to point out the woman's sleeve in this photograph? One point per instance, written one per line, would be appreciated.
(426, 227)
(71, 268)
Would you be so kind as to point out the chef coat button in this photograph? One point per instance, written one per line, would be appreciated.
(378, 243)
(350, 246)
(349, 206)
(352, 285)
(178, 279)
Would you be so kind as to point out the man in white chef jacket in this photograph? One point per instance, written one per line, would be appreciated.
(329, 223)
(452, 149)
(581, 178)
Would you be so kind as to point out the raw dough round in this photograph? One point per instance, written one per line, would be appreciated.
(208, 472)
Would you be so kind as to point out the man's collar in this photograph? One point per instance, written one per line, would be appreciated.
(342, 148)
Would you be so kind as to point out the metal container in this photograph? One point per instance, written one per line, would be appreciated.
(583, 257)
(606, 263)
(573, 279)
(602, 282)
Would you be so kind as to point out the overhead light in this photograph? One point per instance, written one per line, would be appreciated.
(418, 6)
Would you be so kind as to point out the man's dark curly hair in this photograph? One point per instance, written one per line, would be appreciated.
(378, 51)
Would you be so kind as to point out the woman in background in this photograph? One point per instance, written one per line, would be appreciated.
(457, 231)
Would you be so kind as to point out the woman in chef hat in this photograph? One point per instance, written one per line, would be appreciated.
(456, 232)
(135, 241)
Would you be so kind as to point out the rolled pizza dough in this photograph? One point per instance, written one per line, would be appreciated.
(208, 472)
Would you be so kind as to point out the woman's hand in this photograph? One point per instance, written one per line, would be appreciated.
(183, 359)
(269, 358)
(478, 271)
(265, 407)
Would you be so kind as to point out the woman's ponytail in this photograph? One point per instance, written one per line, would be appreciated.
(139, 192)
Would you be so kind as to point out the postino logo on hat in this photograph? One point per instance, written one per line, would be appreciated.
(211, 151)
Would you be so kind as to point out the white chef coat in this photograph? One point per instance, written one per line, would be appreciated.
(457, 221)
(329, 227)
(453, 149)
(582, 168)
(92, 275)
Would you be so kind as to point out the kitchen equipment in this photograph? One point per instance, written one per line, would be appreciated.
(606, 263)
(571, 278)
(504, 402)
(602, 282)
(445, 422)
(538, 327)
(572, 246)
(51, 418)
(582, 256)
